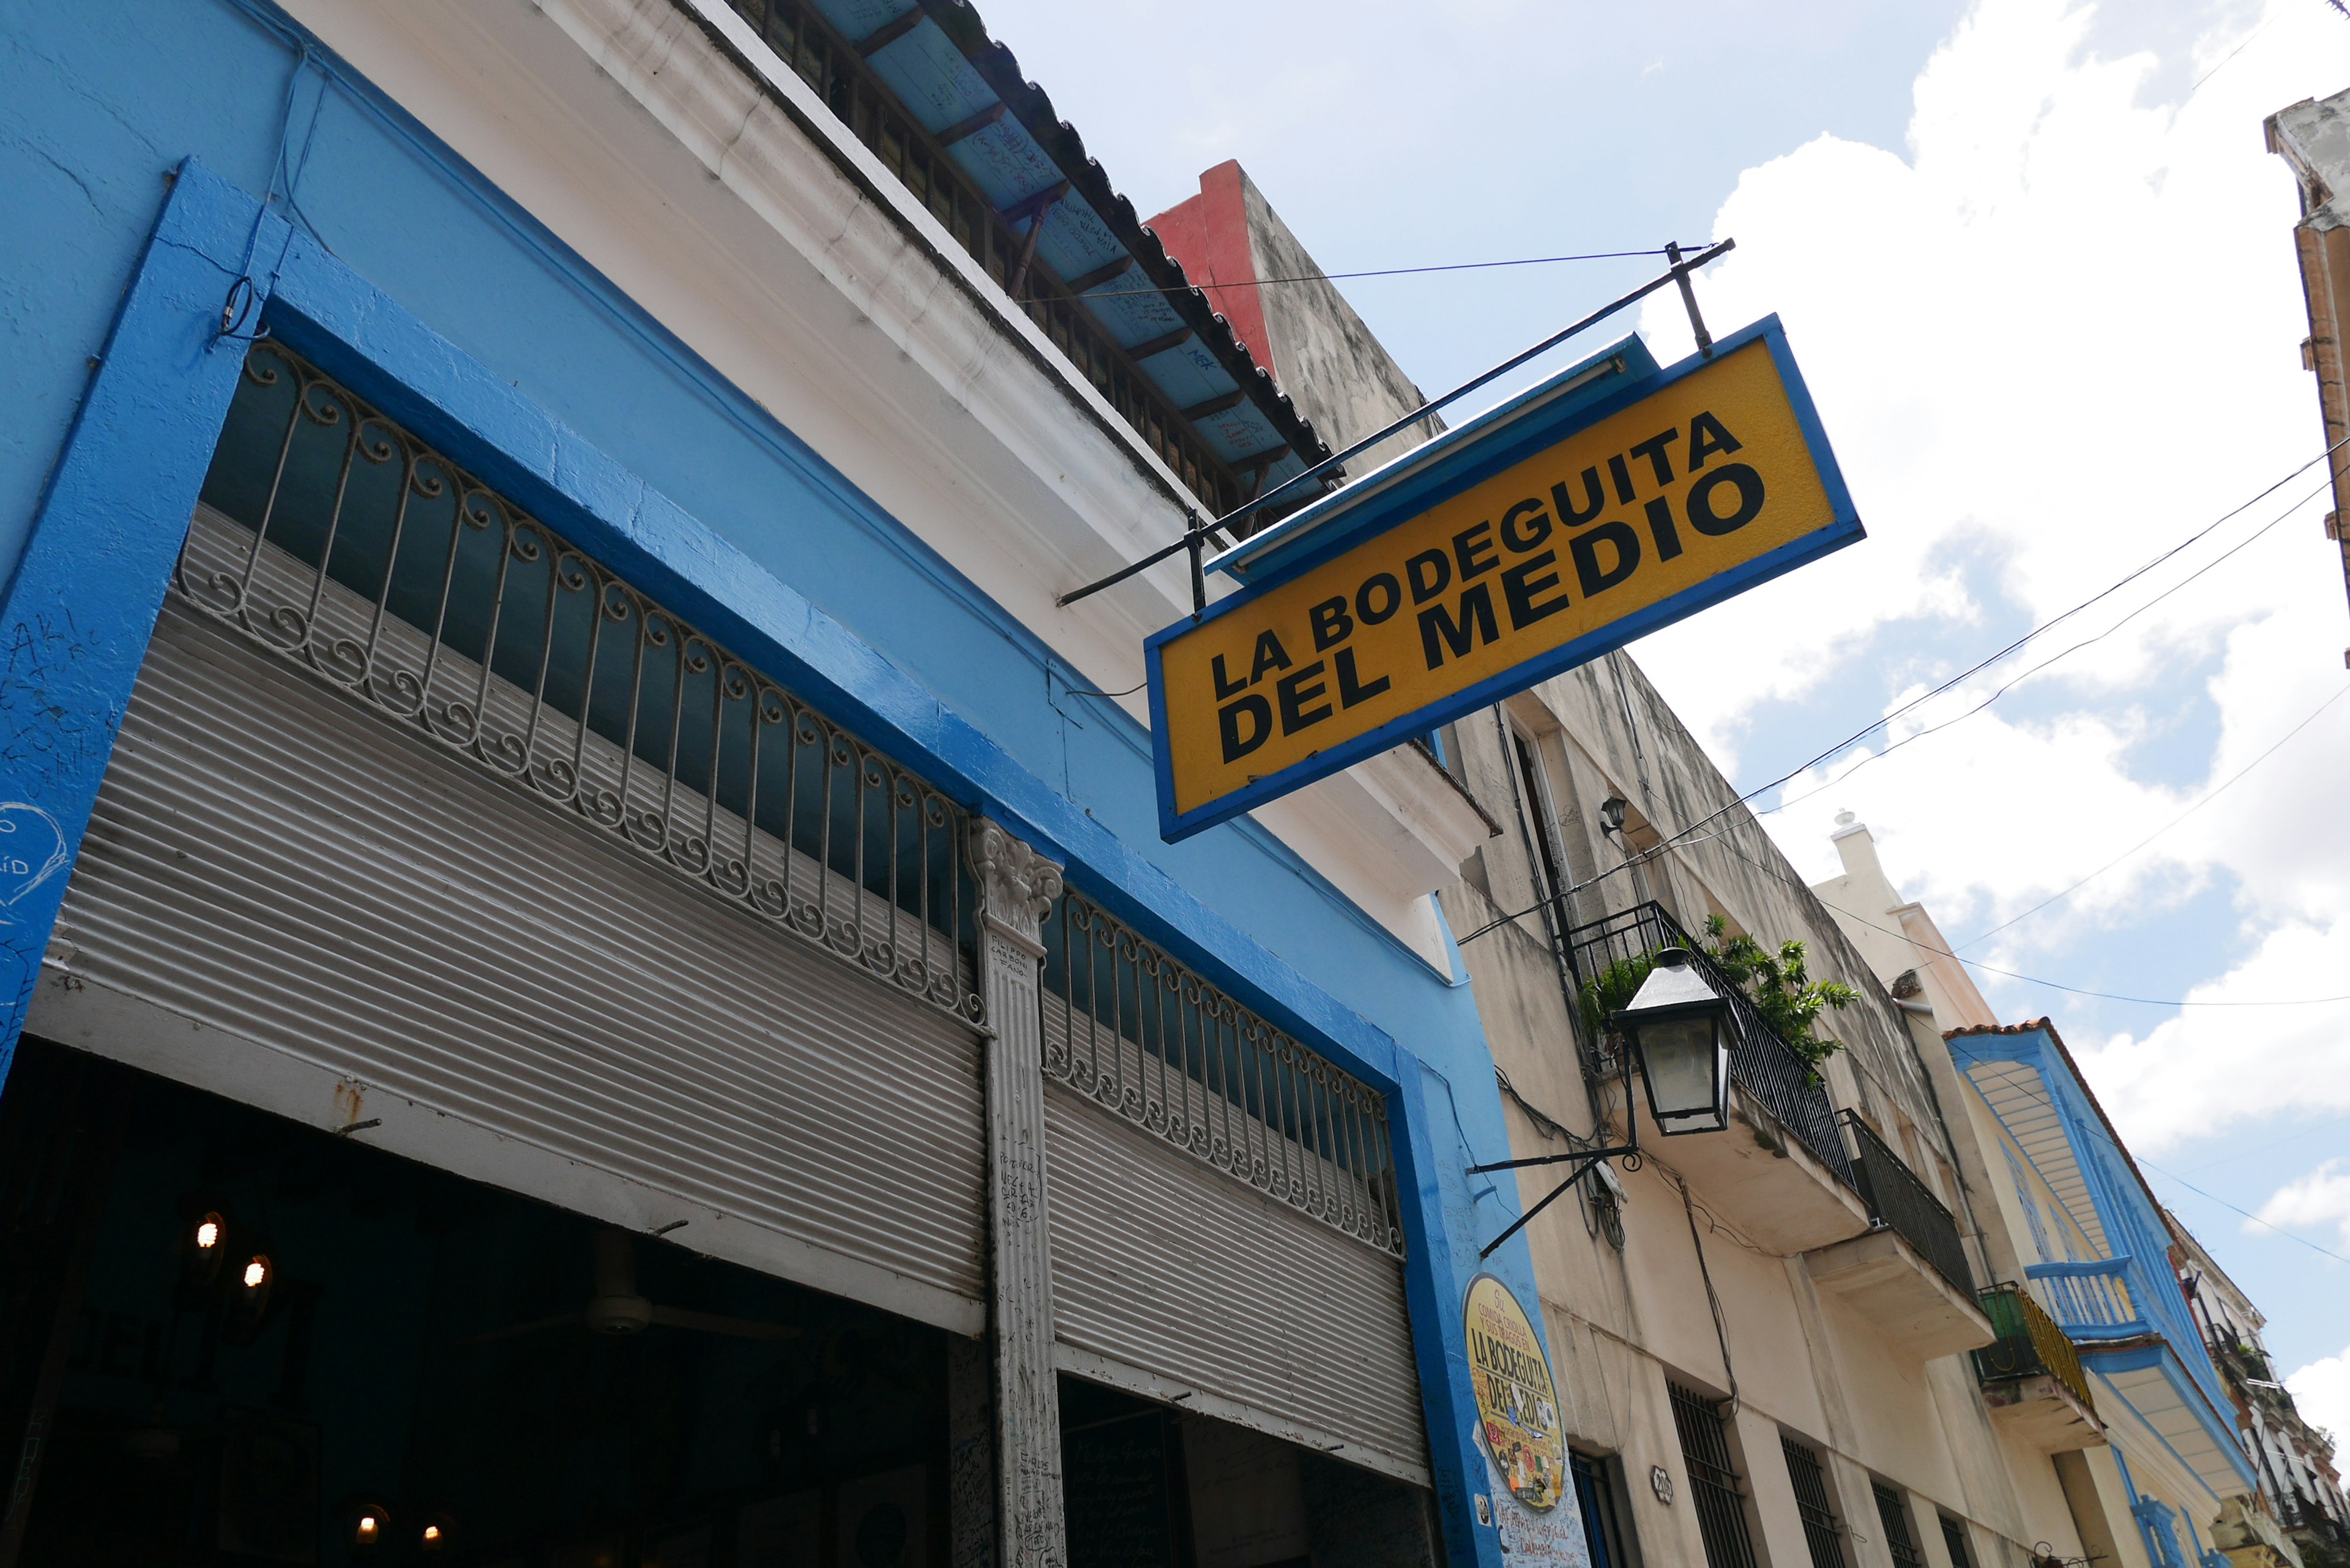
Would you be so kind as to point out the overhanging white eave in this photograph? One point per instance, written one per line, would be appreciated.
(752, 225)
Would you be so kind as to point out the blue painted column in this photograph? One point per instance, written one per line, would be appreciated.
(80, 610)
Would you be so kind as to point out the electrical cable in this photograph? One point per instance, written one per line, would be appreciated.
(1374, 272)
(2037, 631)
(2067, 653)
(2210, 796)
(1687, 833)
(2012, 974)
(1721, 1330)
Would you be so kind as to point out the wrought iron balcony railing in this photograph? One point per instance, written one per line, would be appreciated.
(1765, 1067)
(1899, 1201)
(343, 543)
(2089, 1301)
(2030, 1345)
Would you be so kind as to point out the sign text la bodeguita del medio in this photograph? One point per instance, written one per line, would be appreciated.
(1591, 510)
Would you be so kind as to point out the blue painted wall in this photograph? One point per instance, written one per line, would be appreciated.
(101, 100)
(2132, 1222)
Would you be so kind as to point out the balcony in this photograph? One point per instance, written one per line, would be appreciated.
(2033, 1379)
(2088, 1301)
(1908, 1274)
(1781, 1174)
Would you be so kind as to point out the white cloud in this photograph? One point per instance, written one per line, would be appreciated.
(2321, 1390)
(2057, 336)
(2061, 333)
(2322, 1197)
(2208, 1068)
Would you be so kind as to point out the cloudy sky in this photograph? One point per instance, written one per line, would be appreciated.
(2038, 267)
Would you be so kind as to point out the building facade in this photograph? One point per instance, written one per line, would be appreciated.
(2314, 138)
(2295, 1459)
(594, 981)
(1762, 1337)
(2111, 1409)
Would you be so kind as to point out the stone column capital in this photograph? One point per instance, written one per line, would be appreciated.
(1017, 886)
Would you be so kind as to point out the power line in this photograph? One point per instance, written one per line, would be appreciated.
(1373, 272)
(2036, 631)
(1687, 833)
(2245, 1212)
(2067, 653)
(2014, 974)
(2208, 797)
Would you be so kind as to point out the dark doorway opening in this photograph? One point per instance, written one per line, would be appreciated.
(1150, 1485)
(227, 1339)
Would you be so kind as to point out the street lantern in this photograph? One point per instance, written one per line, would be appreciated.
(1679, 1027)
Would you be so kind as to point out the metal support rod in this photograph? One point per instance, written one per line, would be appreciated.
(1036, 230)
(1689, 298)
(1555, 1159)
(1628, 1152)
(1589, 1158)
(1678, 273)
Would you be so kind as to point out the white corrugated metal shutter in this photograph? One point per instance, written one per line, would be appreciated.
(1164, 1267)
(1223, 1206)
(291, 872)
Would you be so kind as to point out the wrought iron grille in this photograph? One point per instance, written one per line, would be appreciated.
(338, 540)
(2030, 1345)
(1760, 1063)
(1821, 1533)
(1891, 1514)
(1897, 1199)
(1143, 1036)
(1714, 1487)
(1954, 1539)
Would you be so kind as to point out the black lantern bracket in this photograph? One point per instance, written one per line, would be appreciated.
(1582, 1159)
(1670, 993)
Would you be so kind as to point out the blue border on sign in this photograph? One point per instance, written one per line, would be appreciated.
(1470, 467)
(1468, 453)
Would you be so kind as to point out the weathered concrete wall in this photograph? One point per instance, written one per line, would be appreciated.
(1802, 1361)
(1233, 245)
(1340, 376)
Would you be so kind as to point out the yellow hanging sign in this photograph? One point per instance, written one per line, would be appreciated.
(1513, 550)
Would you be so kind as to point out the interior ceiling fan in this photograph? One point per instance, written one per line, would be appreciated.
(617, 1308)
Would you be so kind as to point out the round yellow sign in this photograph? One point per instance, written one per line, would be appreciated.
(1516, 1400)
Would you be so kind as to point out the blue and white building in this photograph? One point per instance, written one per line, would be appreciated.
(2095, 1256)
(592, 976)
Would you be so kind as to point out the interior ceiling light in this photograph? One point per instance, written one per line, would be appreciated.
(369, 1529)
(208, 1232)
(256, 1274)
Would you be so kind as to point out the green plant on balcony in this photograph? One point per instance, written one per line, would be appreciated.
(1778, 984)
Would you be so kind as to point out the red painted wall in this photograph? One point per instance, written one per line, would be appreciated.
(1209, 234)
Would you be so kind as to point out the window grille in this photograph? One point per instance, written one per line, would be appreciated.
(1714, 1486)
(1895, 1517)
(806, 43)
(1143, 1036)
(340, 541)
(1821, 1533)
(1954, 1538)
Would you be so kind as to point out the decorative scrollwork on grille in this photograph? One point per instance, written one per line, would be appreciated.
(337, 539)
(1148, 1039)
